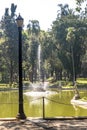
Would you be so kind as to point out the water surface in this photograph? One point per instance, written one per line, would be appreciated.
(56, 104)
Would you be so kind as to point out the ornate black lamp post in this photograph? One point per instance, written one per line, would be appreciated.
(21, 114)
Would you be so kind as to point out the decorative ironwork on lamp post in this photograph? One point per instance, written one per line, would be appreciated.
(20, 114)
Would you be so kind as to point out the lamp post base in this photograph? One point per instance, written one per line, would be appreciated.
(21, 116)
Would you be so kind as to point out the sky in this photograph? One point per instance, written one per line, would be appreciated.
(45, 11)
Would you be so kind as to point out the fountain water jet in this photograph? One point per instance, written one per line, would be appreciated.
(39, 88)
(39, 63)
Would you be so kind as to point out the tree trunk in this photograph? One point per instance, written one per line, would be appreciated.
(11, 73)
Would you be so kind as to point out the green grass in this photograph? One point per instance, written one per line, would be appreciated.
(4, 85)
(81, 83)
(84, 99)
(82, 80)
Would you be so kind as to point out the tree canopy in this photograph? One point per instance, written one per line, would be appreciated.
(63, 47)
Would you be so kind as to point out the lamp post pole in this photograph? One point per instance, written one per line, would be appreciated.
(20, 114)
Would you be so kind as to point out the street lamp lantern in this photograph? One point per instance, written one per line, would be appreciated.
(20, 114)
(19, 21)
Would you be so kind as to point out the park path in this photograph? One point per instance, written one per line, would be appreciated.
(42, 124)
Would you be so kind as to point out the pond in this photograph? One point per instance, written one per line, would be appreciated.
(56, 104)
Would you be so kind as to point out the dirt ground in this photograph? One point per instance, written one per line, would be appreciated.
(44, 124)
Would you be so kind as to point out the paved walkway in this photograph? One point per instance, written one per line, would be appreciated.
(40, 124)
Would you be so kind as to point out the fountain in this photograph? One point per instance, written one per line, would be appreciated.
(38, 88)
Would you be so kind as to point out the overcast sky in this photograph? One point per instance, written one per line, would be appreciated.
(45, 11)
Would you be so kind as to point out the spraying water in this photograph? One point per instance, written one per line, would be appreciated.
(39, 62)
(39, 88)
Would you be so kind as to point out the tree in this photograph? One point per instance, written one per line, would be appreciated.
(10, 33)
(71, 38)
(52, 63)
(59, 28)
(64, 10)
(25, 59)
(33, 31)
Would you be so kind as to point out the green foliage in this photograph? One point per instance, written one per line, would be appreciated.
(33, 31)
(68, 36)
(70, 31)
(10, 45)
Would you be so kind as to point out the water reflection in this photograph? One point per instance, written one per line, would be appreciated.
(59, 104)
(56, 104)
